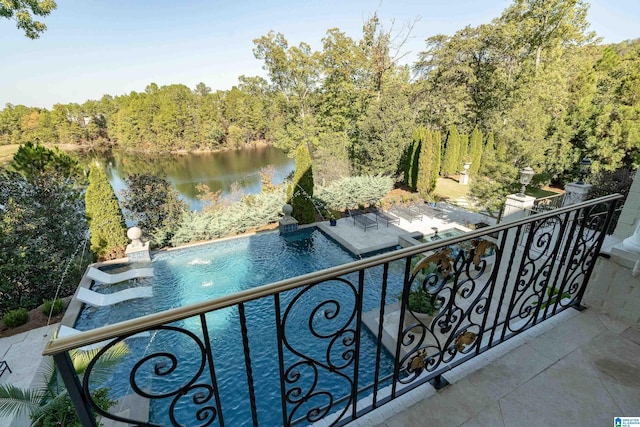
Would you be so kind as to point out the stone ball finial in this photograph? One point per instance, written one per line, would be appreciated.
(134, 234)
(287, 209)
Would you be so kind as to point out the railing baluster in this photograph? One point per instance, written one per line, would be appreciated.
(514, 249)
(356, 366)
(247, 364)
(383, 297)
(280, 336)
(212, 370)
(72, 383)
(403, 305)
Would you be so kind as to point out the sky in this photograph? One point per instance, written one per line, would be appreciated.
(92, 48)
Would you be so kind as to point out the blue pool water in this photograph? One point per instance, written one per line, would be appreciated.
(199, 273)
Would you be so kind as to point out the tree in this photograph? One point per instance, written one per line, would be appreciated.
(33, 160)
(155, 205)
(475, 151)
(42, 232)
(411, 163)
(425, 163)
(22, 12)
(106, 222)
(450, 161)
(436, 156)
(301, 189)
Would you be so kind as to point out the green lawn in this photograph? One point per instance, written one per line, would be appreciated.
(448, 188)
(539, 192)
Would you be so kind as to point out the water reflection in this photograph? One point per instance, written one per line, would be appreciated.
(185, 171)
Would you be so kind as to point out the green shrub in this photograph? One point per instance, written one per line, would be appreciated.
(15, 318)
(58, 306)
(353, 191)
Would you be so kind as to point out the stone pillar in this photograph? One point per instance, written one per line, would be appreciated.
(137, 251)
(576, 193)
(464, 178)
(287, 224)
(516, 207)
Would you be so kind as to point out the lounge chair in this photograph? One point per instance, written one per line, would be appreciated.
(94, 298)
(4, 367)
(387, 217)
(108, 278)
(406, 213)
(362, 219)
(427, 210)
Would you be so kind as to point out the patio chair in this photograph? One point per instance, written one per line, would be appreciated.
(406, 213)
(4, 367)
(361, 218)
(100, 276)
(97, 299)
(385, 216)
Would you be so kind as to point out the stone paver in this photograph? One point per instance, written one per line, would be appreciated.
(583, 371)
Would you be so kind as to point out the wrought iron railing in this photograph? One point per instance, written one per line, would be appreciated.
(333, 344)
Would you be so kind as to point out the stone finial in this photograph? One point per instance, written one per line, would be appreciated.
(287, 210)
(135, 235)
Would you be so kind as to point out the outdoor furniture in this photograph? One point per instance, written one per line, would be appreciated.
(111, 278)
(387, 217)
(406, 213)
(97, 299)
(4, 367)
(362, 219)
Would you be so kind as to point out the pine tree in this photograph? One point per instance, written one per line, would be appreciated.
(437, 157)
(451, 153)
(475, 151)
(425, 163)
(106, 222)
(301, 190)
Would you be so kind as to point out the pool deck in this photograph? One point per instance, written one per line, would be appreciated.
(359, 241)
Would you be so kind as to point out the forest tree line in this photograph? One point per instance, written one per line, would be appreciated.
(535, 78)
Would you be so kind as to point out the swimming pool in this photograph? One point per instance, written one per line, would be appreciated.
(195, 274)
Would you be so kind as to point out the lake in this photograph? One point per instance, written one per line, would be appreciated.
(218, 170)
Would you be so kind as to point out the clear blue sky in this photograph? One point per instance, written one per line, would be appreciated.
(92, 48)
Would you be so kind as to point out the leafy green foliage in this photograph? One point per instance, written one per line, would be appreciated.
(451, 157)
(16, 317)
(353, 191)
(475, 151)
(47, 402)
(22, 12)
(106, 222)
(52, 307)
(32, 160)
(155, 205)
(301, 188)
(251, 212)
(436, 158)
(42, 232)
(425, 162)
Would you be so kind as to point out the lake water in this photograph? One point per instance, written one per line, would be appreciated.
(185, 171)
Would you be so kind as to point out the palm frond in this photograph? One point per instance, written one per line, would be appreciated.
(15, 401)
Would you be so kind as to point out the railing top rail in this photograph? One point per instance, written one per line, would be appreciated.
(552, 196)
(133, 326)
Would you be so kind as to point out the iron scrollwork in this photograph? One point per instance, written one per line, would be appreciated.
(165, 366)
(325, 348)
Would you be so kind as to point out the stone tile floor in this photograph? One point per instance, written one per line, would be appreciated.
(580, 369)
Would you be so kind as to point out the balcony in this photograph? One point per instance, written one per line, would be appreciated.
(506, 299)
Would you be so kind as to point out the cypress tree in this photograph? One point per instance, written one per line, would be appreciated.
(301, 190)
(416, 143)
(475, 151)
(488, 155)
(464, 151)
(106, 222)
(425, 163)
(436, 159)
(451, 156)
